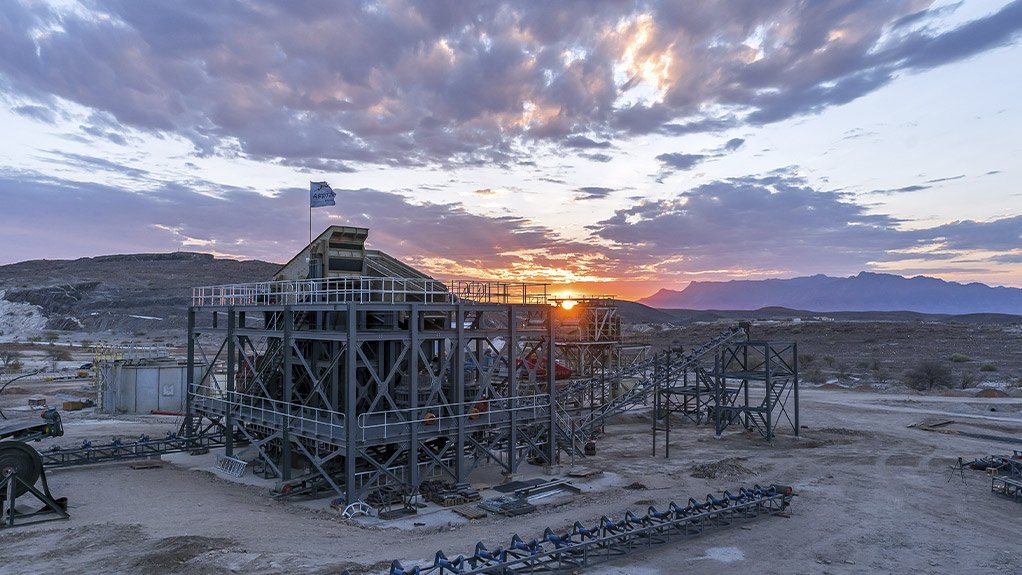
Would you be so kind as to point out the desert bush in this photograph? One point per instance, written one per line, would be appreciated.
(813, 374)
(960, 358)
(806, 360)
(967, 379)
(843, 372)
(927, 374)
(11, 358)
(58, 354)
(829, 360)
(8, 355)
(879, 373)
(988, 367)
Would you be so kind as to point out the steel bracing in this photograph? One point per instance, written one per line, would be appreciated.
(333, 392)
(610, 539)
(750, 383)
(353, 385)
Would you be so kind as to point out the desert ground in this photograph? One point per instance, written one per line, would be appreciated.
(873, 497)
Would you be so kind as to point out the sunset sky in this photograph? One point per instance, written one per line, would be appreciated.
(607, 147)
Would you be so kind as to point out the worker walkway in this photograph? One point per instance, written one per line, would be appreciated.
(373, 428)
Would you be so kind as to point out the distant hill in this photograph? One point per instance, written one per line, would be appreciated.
(863, 292)
(633, 312)
(124, 293)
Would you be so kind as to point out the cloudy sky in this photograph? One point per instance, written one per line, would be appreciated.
(606, 147)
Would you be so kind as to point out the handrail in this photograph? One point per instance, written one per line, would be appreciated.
(367, 289)
(482, 411)
(319, 422)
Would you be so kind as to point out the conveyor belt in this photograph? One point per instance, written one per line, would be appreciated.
(610, 539)
(117, 450)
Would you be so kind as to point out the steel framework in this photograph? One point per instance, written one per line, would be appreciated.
(353, 384)
(359, 384)
(751, 383)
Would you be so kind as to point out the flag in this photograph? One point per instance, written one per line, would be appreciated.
(320, 195)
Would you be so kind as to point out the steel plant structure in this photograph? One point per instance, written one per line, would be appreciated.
(354, 379)
(355, 373)
(368, 382)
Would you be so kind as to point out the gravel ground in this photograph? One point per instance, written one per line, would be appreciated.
(873, 496)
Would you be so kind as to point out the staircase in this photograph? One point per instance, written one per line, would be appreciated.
(650, 376)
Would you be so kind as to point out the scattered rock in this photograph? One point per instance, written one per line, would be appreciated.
(726, 469)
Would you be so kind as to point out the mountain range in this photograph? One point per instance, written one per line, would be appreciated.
(137, 294)
(863, 292)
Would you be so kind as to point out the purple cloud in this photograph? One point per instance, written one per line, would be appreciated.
(330, 86)
(679, 161)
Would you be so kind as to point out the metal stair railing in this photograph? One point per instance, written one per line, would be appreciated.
(649, 377)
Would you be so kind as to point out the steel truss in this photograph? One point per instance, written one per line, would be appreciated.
(636, 384)
(610, 539)
(589, 335)
(356, 386)
(356, 396)
(754, 384)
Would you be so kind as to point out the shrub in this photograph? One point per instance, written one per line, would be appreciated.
(928, 374)
(842, 371)
(8, 355)
(988, 367)
(960, 358)
(59, 354)
(968, 379)
(813, 375)
(879, 373)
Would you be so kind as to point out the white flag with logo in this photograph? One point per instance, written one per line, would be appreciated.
(320, 194)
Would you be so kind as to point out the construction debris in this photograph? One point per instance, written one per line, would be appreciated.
(508, 505)
(469, 511)
(447, 494)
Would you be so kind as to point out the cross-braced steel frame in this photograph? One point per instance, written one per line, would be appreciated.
(750, 383)
(753, 382)
(354, 395)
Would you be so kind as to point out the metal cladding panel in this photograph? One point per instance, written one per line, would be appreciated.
(125, 383)
(147, 389)
(172, 385)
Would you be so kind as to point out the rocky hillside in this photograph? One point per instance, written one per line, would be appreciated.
(863, 292)
(137, 293)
